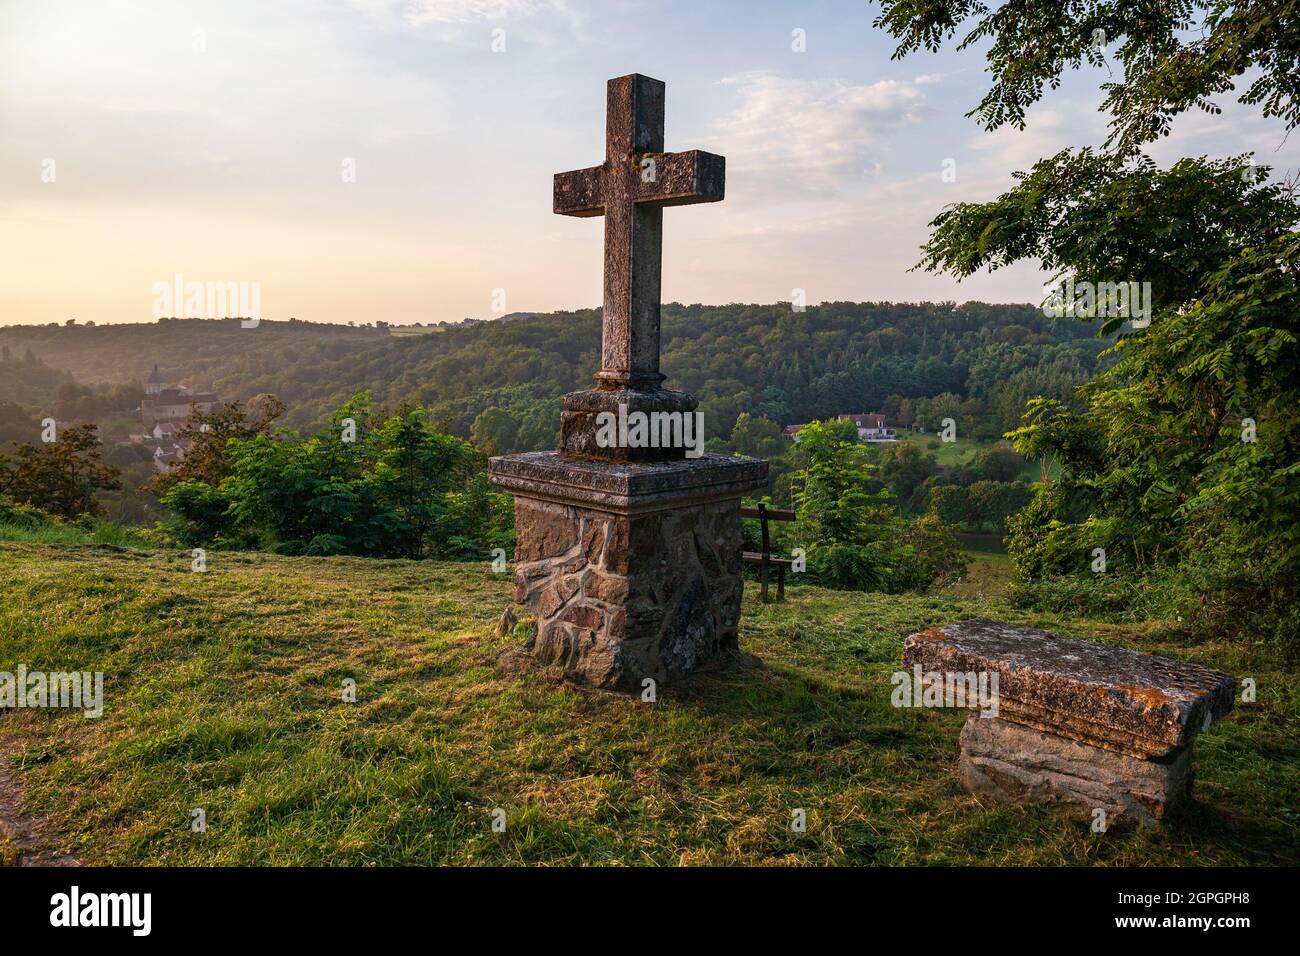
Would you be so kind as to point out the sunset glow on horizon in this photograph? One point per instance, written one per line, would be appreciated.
(392, 161)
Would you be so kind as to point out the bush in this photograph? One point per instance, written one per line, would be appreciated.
(934, 556)
(202, 512)
(1194, 602)
(25, 523)
(1040, 544)
(846, 567)
(1113, 597)
(23, 516)
(999, 463)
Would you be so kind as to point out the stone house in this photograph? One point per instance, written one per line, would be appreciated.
(171, 403)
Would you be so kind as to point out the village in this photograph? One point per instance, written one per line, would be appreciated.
(163, 414)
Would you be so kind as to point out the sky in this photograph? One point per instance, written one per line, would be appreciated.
(365, 160)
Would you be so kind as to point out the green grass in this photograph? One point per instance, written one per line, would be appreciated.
(223, 692)
(102, 532)
(986, 577)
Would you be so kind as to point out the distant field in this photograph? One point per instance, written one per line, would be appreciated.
(224, 692)
(986, 577)
(961, 452)
(400, 331)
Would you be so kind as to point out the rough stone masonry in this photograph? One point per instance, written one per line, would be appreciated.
(629, 557)
(1081, 725)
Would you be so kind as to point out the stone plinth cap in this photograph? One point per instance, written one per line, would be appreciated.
(1105, 696)
(627, 487)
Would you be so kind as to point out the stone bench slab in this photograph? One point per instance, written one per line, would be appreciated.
(1104, 696)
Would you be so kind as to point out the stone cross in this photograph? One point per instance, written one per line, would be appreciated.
(629, 558)
(630, 189)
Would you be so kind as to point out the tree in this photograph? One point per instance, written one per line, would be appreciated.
(1185, 454)
(932, 411)
(903, 467)
(757, 437)
(841, 513)
(1170, 61)
(951, 504)
(495, 431)
(999, 463)
(208, 435)
(1110, 218)
(415, 469)
(539, 426)
(61, 476)
(991, 503)
(906, 413)
(937, 556)
(16, 423)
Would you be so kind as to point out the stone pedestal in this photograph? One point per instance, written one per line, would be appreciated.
(1013, 763)
(631, 569)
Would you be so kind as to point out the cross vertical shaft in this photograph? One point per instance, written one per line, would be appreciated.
(634, 125)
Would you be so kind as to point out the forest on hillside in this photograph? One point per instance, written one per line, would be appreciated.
(765, 360)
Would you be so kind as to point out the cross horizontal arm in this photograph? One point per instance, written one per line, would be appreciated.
(580, 192)
(679, 179)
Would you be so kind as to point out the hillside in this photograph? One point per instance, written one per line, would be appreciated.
(764, 359)
(223, 692)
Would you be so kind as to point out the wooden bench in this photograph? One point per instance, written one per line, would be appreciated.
(764, 559)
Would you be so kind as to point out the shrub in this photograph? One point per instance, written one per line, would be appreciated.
(23, 516)
(847, 567)
(935, 557)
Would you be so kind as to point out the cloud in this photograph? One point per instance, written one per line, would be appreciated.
(926, 79)
(419, 12)
(801, 138)
(1046, 133)
(463, 22)
(1238, 129)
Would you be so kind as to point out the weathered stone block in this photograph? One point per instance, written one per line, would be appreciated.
(543, 533)
(670, 608)
(1081, 725)
(506, 623)
(1009, 762)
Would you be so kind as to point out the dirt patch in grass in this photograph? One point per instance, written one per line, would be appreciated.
(25, 839)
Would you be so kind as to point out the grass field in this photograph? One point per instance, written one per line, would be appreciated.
(224, 693)
(101, 532)
(963, 451)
